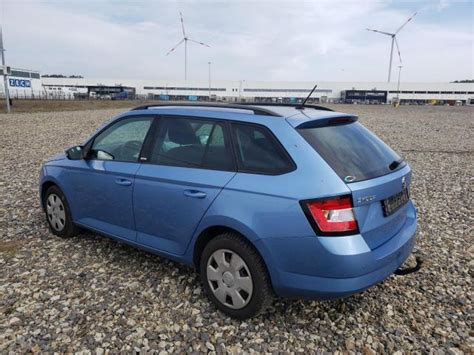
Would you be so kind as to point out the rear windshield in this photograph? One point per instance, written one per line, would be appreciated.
(352, 151)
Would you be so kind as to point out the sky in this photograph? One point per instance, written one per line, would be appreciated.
(249, 40)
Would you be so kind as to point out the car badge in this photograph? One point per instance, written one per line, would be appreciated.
(349, 178)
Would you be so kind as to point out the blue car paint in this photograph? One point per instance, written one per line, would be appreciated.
(166, 213)
(154, 212)
(376, 228)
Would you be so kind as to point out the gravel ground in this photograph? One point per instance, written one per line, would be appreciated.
(93, 294)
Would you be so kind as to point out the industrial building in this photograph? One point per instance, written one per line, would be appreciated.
(271, 91)
(28, 83)
(22, 83)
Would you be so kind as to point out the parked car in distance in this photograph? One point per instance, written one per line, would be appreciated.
(263, 200)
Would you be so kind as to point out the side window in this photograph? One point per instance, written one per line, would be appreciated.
(122, 141)
(192, 143)
(258, 151)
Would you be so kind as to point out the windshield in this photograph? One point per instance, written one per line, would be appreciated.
(352, 151)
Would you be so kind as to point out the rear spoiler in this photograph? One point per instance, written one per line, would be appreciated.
(329, 121)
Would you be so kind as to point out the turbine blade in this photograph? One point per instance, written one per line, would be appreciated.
(202, 44)
(182, 24)
(377, 31)
(405, 23)
(172, 49)
(398, 49)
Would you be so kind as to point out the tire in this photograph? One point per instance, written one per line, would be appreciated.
(58, 213)
(234, 276)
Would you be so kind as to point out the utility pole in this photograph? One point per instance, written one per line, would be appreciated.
(5, 74)
(398, 85)
(240, 90)
(209, 80)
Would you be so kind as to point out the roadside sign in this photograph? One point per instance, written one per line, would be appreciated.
(21, 83)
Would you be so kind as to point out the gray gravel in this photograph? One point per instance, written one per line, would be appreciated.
(91, 293)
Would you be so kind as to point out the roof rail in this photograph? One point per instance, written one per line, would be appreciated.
(297, 106)
(255, 110)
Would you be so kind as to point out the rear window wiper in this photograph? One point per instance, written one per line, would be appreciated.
(395, 164)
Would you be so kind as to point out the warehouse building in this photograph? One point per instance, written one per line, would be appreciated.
(260, 91)
(24, 83)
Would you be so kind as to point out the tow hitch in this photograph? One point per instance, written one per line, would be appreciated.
(410, 270)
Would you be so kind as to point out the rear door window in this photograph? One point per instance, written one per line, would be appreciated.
(258, 151)
(352, 151)
(192, 143)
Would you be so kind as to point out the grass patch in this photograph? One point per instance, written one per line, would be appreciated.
(67, 105)
(10, 247)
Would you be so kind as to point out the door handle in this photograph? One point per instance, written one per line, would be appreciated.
(194, 193)
(123, 182)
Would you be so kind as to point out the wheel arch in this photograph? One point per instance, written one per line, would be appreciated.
(44, 187)
(205, 237)
(211, 232)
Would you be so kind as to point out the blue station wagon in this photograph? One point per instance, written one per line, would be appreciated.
(262, 200)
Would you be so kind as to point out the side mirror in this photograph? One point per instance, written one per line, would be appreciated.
(75, 153)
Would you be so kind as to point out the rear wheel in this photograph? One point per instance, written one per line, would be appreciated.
(58, 214)
(234, 276)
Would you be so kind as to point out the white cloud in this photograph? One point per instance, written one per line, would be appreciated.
(266, 40)
(442, 4)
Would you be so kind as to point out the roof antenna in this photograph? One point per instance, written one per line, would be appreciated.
(304, 102)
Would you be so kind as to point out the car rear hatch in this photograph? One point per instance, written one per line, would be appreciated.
(380, 206)
(378, 178)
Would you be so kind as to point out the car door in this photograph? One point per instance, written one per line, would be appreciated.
(103, 182)
(190, 162)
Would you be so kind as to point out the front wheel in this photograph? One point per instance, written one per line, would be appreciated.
(234, 276)
(58, 214)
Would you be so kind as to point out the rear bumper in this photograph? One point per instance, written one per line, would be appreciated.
(332, 267)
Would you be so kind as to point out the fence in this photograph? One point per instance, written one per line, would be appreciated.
(60, 95)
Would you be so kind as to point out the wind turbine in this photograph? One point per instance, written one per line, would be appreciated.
(185, 40)
(394, 40)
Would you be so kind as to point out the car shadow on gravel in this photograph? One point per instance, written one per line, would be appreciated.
(151, 269)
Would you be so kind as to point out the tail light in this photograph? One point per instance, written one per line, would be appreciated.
(331, 216)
